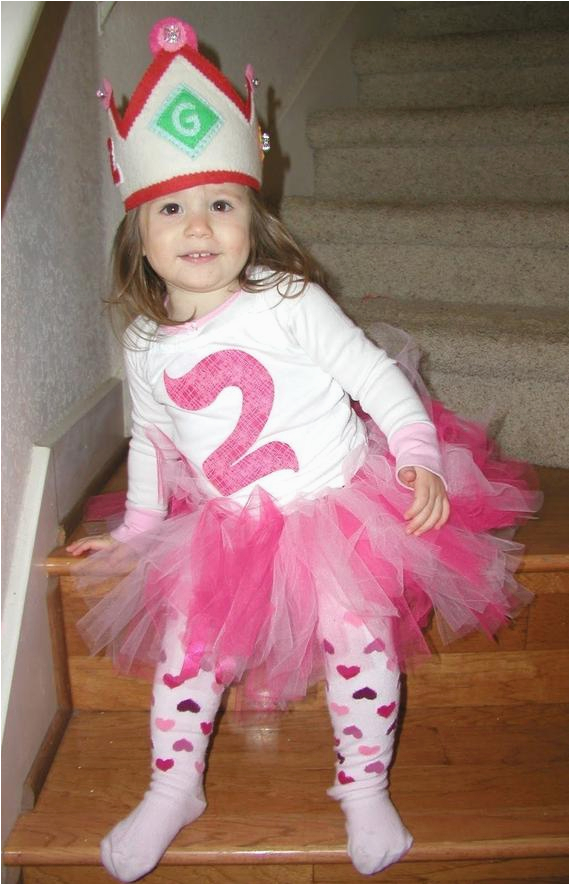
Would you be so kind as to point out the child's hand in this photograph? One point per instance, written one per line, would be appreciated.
(431, 507)
(95, 542)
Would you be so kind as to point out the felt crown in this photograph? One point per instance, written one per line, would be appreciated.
(185, 124)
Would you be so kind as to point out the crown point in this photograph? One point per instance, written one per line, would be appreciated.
(170, 35)
(251, 78)
(104, 94)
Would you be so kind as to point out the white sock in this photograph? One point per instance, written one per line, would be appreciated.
(363, 695)
(136, 844)
(377, 837)
(182, 720)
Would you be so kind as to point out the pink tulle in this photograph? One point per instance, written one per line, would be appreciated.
(248, 581)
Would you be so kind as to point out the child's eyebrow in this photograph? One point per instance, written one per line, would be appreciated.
(231, 195)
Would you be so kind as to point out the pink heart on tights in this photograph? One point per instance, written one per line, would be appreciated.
(183, 744)
(188, 706)
(340, 709)
(369, 751)
(162, 657)
(353, 730)
(344, 778)
(353, 618)
(336, 742)
(375, 645)
(173, 681)
(199, 766)
(164, 764)
(328, 647)
(374, 767)
(165, 724)
(348, 672)
(386, 710)
(206, 727)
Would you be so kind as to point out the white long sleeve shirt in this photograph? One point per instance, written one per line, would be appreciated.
(258, 393)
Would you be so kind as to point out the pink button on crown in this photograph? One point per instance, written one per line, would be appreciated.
(171, 34)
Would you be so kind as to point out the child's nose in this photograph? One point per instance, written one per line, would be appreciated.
(197, 224)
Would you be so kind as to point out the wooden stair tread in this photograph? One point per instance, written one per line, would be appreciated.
(545, 538)
(474, 782)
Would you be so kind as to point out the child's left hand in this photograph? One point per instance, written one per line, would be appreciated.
(430, 509)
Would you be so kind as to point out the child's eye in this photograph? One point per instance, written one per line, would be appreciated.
(221, 206)
(170, 209)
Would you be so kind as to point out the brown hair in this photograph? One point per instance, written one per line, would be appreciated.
(137, 289)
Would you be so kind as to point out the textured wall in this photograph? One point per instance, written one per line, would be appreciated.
(55, 346)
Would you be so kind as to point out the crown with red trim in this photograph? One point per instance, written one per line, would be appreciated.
(184, 125)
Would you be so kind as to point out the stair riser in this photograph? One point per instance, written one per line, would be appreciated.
(467, 672)
(531, 277)
(491, 129)
(528, 419)
(484, 51)
(456, 342)
(448, 89)
(513, 226)
(439, 18)
(525, 869)
(534, 173)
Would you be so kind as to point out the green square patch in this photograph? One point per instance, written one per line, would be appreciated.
(187, 121)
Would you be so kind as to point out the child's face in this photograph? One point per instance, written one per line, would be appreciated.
(198, 241)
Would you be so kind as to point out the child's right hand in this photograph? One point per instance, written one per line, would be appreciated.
(95, 542)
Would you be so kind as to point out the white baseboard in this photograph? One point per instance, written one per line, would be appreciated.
(61, 469)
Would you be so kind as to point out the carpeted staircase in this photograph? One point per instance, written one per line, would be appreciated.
(441, 206)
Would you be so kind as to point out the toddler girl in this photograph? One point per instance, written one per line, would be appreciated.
(272, 533)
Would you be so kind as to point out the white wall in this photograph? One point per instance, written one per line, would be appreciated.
(55, 349)
(55, 353)
(18, 23)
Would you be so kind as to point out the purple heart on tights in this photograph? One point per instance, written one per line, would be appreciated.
(183, 744)
(374, 767)
(188, 706)
(340, 758)
(344, 778)
(329, 648)
(353, 730)
(366, 692)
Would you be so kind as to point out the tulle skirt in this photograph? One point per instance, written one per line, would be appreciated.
(246, 582)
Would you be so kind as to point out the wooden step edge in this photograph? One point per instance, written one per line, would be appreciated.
(545, 846)
(61, 564)
(544, 562)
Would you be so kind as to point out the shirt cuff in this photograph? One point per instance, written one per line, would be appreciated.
(416, 445)
(136, 521)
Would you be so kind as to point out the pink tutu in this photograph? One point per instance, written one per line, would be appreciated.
(247, 581)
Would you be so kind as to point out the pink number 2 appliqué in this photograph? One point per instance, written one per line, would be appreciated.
(229, 468)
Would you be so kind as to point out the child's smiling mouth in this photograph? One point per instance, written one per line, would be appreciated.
(198, 256)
